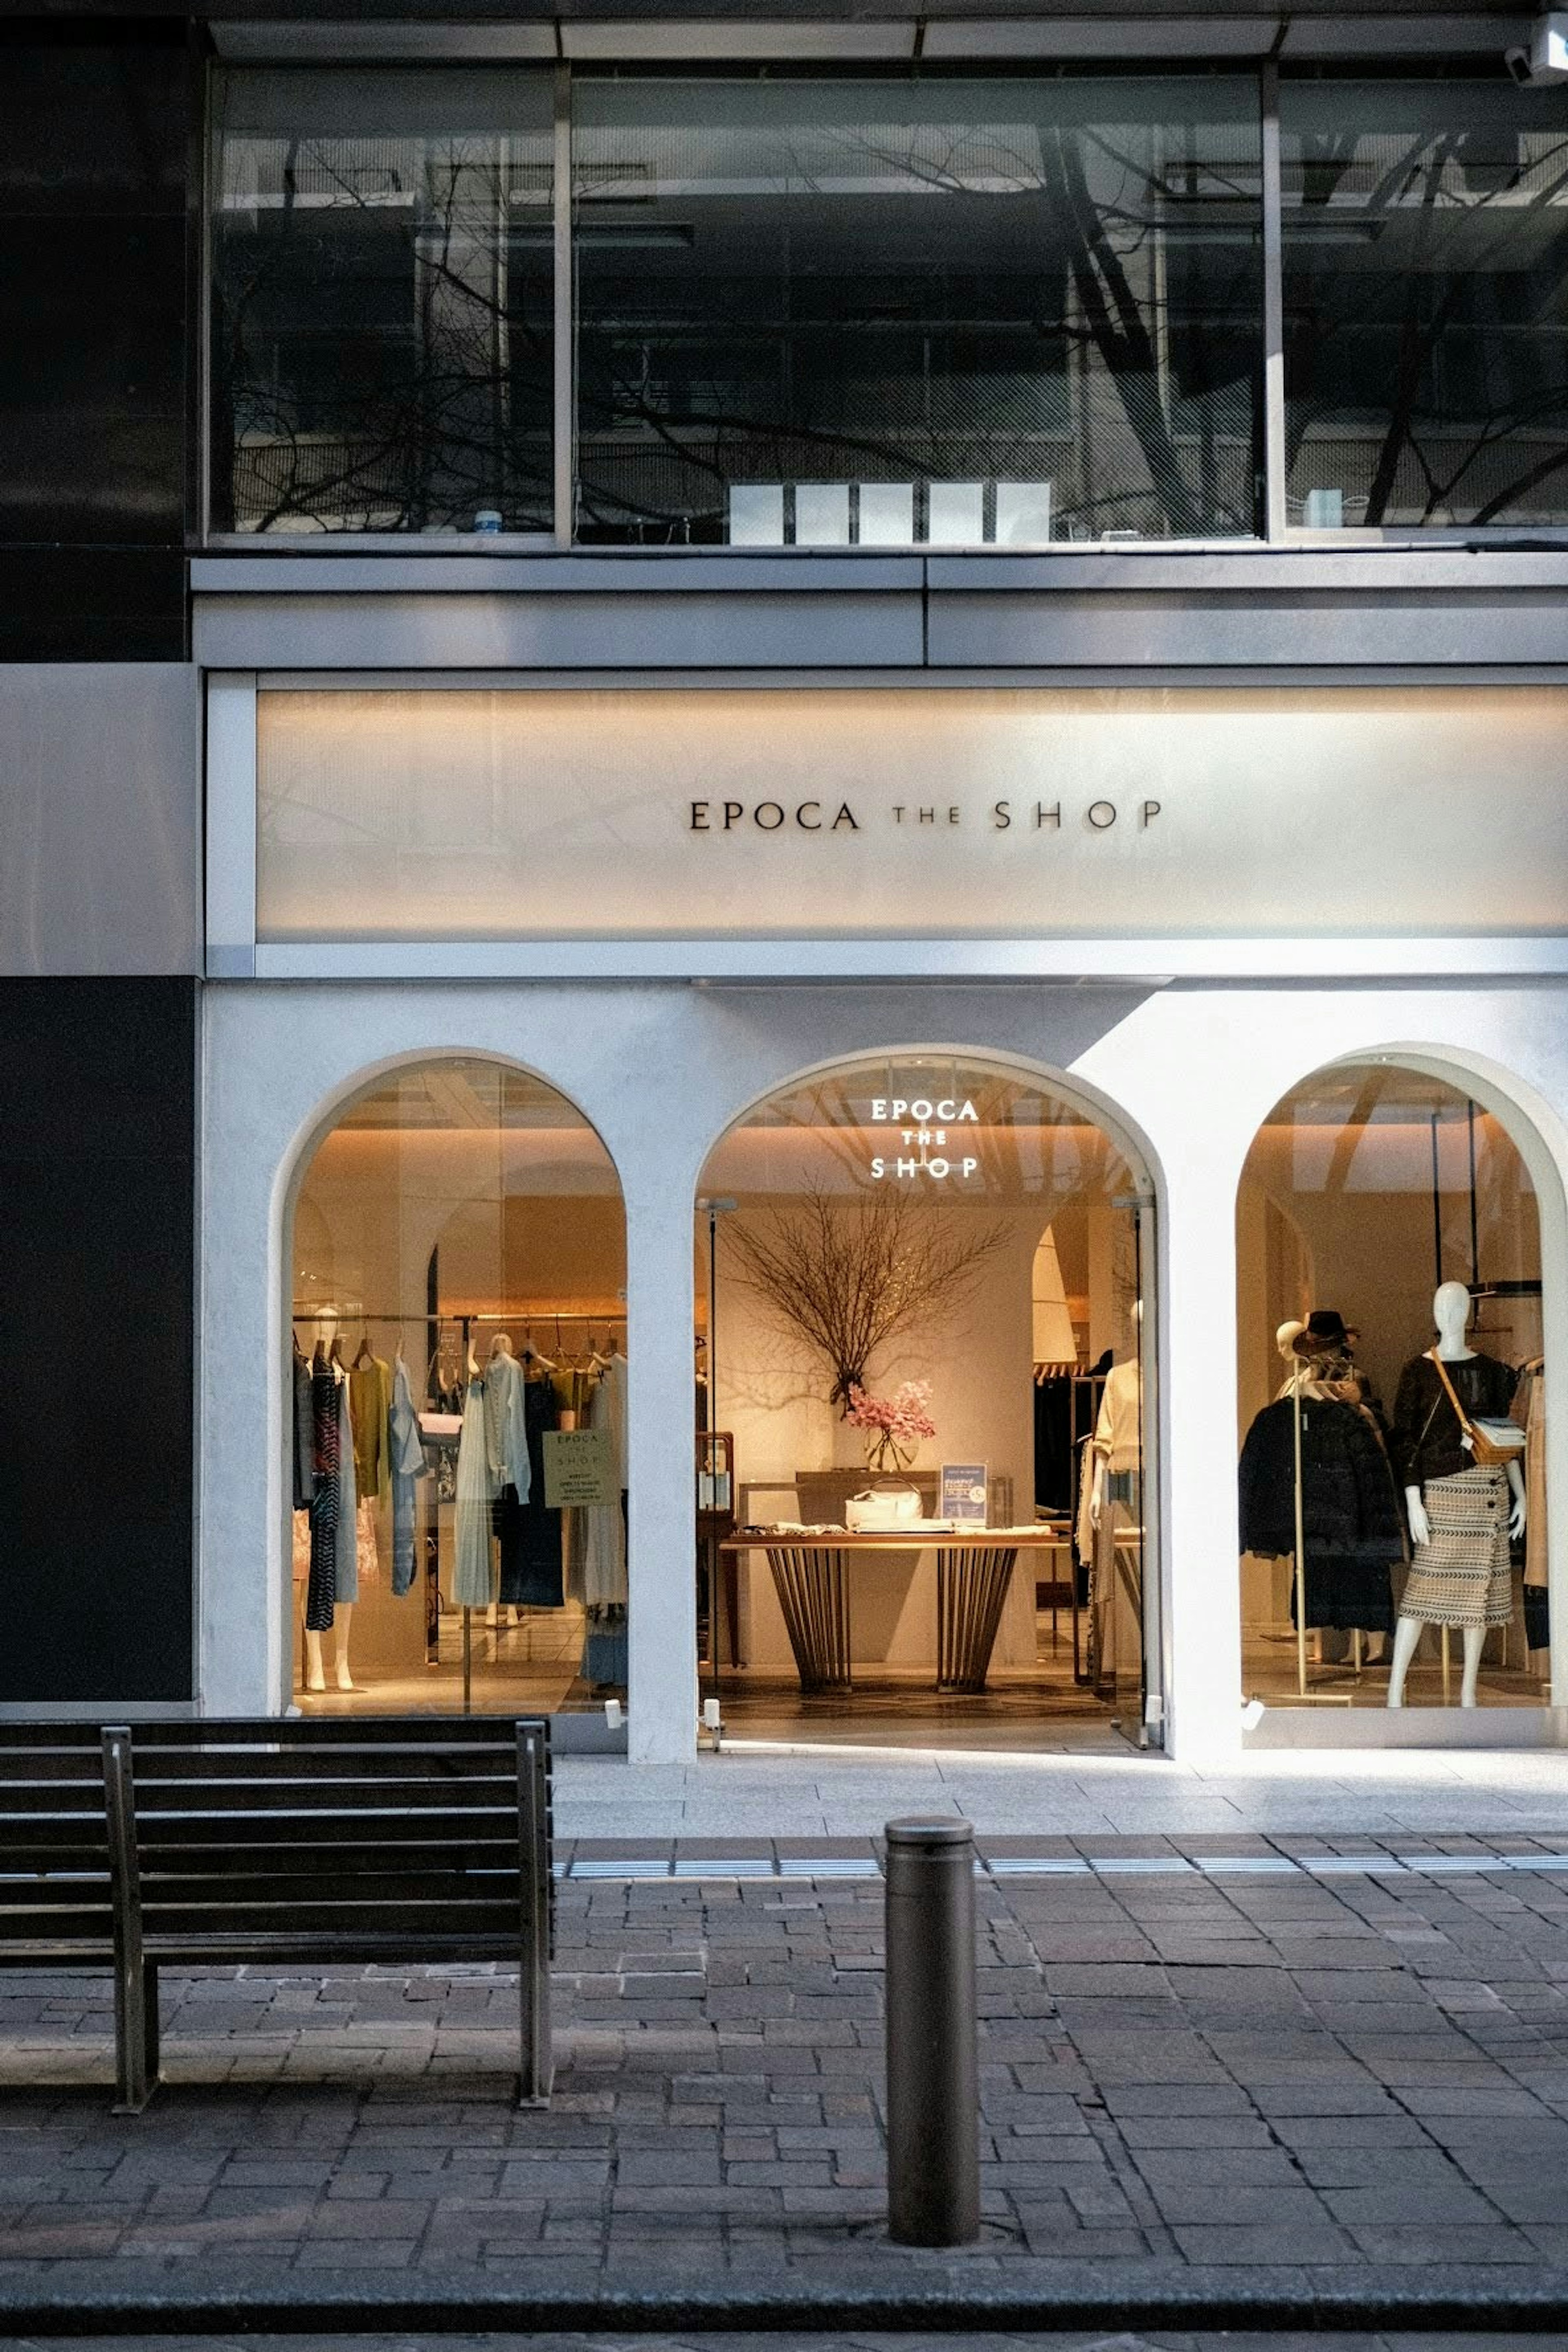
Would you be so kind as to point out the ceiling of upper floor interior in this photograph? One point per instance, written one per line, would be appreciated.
(1145, 25)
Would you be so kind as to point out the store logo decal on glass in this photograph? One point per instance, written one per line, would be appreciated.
(924, 1142)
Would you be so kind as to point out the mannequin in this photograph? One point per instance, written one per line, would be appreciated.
(324, 1358)
(1118, 1435)
(1451, 1309)
(1284, 1342)
(1116, 1510)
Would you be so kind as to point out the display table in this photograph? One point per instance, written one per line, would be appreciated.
(812, 1578)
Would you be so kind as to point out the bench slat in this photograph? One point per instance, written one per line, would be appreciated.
(166, 1927)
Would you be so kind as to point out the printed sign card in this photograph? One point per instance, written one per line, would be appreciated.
(579, 1470)
(963, 1491)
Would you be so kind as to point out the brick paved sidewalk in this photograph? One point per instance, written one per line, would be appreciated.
(1346, 2076)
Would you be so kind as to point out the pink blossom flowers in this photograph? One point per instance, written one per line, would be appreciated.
(897, 1422)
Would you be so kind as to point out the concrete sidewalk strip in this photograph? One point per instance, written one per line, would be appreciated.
(605, 1864)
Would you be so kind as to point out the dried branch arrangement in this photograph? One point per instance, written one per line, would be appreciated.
(850, 1275)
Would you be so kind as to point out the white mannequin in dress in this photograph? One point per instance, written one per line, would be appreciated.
(1451, 1310)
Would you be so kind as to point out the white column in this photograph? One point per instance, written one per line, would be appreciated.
(661, 1464)
(1198, 1383)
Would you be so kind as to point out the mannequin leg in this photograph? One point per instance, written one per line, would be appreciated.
(341, 1624)
(1475, 1642)
(1407, 1633)
(315, 1676)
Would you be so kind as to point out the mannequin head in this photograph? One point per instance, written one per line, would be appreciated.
(1451, 1308)
(326, 1328)
(1285, 1334)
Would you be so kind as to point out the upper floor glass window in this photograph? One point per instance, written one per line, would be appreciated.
(1427, 317)
(381, 303)
(827, 313)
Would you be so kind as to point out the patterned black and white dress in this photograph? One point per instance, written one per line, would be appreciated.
(1460, 1575)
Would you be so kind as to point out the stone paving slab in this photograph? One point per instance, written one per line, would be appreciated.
(1203, 2092)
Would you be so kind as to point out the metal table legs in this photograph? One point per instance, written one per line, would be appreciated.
(815, 1599)
(814, 1594)
(971, 1589)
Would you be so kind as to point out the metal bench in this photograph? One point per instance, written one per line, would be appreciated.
(280, 1844)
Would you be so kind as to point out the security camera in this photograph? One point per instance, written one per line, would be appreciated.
(1546, 59)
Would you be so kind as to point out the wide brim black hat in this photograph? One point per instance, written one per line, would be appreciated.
(1325, 1328)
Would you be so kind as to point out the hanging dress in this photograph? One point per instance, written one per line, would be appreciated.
(530, 1531)
(320, 1591)
(605, 1551)
(346, 1588)
(406, 1463)
(473, 1578)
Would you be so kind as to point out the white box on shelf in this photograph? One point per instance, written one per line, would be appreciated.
(822, 514)
(1325, 510)
(887, 514)
(1023, 513)
(957, 514)
(756, 514)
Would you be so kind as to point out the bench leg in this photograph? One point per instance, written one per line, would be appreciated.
(151, 2033)
(136, 1984)
(136, 2062)
(538, 2071)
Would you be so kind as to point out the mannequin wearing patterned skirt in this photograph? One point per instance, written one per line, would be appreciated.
(1460, 1513)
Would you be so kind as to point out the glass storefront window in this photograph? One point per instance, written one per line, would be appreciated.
(1425, 248)
(921, 1287)
(1382, 1215)
(381, 303)
(458, 1288)
(885, 312)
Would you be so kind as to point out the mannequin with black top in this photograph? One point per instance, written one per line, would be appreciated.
(334, 1606)
(1460, 1519)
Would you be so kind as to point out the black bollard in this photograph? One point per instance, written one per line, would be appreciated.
(934, 2105)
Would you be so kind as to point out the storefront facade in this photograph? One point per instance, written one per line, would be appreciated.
(634, 816)
(1184, 1066)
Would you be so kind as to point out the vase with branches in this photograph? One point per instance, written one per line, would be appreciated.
(849, 1276)
(895, 1425)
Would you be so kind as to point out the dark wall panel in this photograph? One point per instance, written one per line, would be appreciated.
(94, 145)
(97, 1107)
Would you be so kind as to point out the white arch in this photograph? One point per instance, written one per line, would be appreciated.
(1100, 1110)
(1541, 1137)
(288, 1178)
(1103, 1111)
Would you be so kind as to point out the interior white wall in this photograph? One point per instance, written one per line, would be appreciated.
(662, 1070)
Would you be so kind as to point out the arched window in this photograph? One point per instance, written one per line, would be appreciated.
(458, 1284)
(920, 1279)
(1384, 1214)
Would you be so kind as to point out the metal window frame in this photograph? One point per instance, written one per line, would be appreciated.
(1274, 527)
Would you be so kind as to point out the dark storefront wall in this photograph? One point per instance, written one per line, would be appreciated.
(98, 1082)
(95, 138)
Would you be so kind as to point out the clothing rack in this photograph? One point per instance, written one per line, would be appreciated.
(304, 1313)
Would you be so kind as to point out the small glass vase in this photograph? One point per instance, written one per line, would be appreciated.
(885, 1457)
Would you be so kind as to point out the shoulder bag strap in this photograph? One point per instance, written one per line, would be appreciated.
(1465, 1422)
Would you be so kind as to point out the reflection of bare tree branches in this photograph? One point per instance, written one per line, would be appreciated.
(1431, 298)
(404, 414)
(849, 1276)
